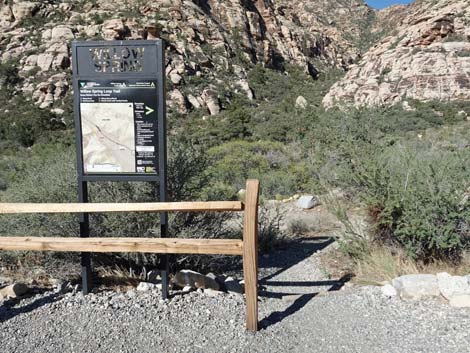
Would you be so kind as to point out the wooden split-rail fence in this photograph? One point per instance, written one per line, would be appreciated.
(248, 247)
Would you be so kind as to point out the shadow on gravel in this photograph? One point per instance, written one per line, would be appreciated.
(292, 253)
(301, 300)
(278, 316)
(9, 311)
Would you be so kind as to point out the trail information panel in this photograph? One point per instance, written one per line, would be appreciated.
(120, 123)
(119, 126)
(119, 109)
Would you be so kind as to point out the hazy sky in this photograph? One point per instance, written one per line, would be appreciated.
(380, 4)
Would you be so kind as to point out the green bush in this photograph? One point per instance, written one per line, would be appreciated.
(22, 123)
(9, 77)
(280, 170)
(418, 199)
(50, 176)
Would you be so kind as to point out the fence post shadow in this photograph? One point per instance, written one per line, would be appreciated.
(302, 300)
(7, 311)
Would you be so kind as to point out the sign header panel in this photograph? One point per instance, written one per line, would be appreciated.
(119, 109)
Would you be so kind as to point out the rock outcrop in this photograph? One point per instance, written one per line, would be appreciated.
(211, 42)
(427, 57)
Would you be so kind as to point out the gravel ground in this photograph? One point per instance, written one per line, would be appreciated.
(300, 311)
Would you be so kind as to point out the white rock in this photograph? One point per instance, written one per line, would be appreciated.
(451, 286)
(22, 9)
(211, 100)
(31, 60)
(460, 301)
(61, 33)
(175, 78)
(388, 290)
(241, 193)
(44, 61)
(58, 111)
(194, 279)
(212, 292)
(194, 101)
(245, 86)
(145, 286)
(177, 100)
(416, 286)
(301, 102)
(307, 201)
(188, 289)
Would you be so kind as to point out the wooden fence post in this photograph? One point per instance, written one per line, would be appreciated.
(250, 253)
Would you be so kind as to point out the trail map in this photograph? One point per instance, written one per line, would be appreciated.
(118, 121)
(108, 137)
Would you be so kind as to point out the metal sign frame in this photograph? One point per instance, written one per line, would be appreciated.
(152, 68)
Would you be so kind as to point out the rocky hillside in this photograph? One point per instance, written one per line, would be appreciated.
(426, 57)
(210, 42)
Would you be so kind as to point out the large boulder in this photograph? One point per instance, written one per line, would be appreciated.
(212, 101)
(44, 61)
(416, 286)
(451, 286)
(61, 34)
(460, 301)
(23, 9)
(307, 201)
(115, 29)
(388, 290)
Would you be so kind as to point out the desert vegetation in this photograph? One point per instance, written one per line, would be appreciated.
(408, 167)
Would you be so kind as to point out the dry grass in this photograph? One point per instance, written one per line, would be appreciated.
(384, 264)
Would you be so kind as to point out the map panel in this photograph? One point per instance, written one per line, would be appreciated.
(119, 126)
(108, 137)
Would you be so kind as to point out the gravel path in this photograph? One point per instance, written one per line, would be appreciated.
(300, 311)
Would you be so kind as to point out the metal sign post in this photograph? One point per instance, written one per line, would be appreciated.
(120, 122)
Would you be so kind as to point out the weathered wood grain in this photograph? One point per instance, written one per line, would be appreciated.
(250, 253)
(120, 207)
(144, 245)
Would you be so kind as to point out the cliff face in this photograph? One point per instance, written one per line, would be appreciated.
(425, 53)
(427, 57)
(208, 40)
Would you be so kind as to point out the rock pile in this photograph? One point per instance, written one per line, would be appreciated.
(192, 280)
(455, 289)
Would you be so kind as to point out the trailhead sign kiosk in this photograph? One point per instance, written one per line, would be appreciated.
(120, 123)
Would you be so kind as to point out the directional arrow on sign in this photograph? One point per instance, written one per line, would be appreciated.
(148, 110)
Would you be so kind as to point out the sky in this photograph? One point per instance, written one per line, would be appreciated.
(380, 4)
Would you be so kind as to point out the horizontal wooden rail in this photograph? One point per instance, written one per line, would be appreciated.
(8, 208)
(248, 247)
(145, 245)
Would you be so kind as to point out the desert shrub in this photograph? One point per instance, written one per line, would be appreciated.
(270, 234)
(281, 171)
(418, 199)
(298, 226)
(22, 123)
(9, 77)
(51, 177)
